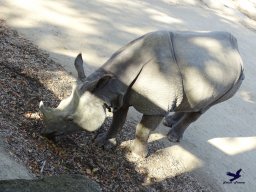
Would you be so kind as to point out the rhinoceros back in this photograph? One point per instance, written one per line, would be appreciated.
(210, 65)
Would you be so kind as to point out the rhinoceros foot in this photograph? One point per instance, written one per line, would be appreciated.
(139, 149)
(102, 141)
(173, 136)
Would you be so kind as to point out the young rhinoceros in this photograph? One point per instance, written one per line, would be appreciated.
(158, 73)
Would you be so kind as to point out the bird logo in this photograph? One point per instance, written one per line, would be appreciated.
(234, 175)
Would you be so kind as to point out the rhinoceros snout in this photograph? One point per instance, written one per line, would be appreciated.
(49, 135)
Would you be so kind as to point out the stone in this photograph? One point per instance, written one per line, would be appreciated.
(62, 183)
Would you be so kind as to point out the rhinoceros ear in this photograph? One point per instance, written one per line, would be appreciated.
(103, 81)
(79, 67)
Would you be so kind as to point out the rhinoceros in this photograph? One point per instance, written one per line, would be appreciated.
(157, 73)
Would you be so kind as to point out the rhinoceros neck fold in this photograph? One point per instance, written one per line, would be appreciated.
(96, 75)
(127, 62)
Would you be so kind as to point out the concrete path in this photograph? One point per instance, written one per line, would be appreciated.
(224, 139)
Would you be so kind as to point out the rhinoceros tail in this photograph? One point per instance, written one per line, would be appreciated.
(235, 46)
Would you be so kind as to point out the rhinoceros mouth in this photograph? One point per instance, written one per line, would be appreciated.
(52, 135)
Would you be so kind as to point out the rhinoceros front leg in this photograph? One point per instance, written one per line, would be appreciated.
(147, 124)
(108, 140)
(176, 133)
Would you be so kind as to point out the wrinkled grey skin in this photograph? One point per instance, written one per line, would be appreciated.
(158, 73)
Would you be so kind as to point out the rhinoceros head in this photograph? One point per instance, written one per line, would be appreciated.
(81, 110)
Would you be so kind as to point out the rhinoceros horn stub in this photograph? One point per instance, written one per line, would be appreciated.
(46, 111)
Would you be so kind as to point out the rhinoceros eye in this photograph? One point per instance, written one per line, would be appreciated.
(69, 118)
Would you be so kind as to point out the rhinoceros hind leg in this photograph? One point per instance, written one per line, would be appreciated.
(147, 124)
(173, 136)
(108, 140)
(176, 133)
(171, 120)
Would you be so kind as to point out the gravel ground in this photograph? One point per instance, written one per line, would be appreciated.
(28, 75)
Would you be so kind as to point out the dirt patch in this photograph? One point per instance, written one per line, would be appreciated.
(28, 76)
